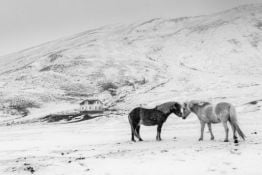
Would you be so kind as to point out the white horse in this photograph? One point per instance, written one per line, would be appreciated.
(208, 114)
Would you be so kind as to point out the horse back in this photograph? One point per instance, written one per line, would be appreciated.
(222, 108)
(150, 117)
(215, 113)
(145, 116)
(208, 115)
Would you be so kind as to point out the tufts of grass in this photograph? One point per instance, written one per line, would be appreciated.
(110, 87)
(20, 106)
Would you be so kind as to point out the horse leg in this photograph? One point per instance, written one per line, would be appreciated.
(159, 127)
(202, 130)
(226, 130)
(234, 133)
(132, 135)
(210, 130)
(138, 132)
(133, 126)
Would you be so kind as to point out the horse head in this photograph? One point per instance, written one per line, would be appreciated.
(186, 109)
(177, 109)
(192, 105)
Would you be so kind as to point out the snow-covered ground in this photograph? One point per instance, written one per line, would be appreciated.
(215, 57)
(103, 146)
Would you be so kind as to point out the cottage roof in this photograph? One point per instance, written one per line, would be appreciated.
(90, 101)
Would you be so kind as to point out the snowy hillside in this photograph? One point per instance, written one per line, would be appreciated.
(208, 57)
(216, 57)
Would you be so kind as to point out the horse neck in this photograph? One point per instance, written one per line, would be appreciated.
(168, 113)
(193, 109)
(196, 110)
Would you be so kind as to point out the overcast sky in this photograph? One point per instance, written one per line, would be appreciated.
(25, 23)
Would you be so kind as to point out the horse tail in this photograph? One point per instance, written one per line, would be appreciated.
(131, 124)
(233, 120)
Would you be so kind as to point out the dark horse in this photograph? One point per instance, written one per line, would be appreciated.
(150, 117)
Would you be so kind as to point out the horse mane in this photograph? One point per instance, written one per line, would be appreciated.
(199, 103)
(165, 107)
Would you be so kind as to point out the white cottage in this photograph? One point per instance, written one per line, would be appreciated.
(91, 105)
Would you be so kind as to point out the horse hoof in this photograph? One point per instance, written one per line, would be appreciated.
(226, 140)
(235, 141)
(212, 138)
(200, 139)
(140, 140)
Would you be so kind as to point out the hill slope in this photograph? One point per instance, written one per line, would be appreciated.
(210, 57)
